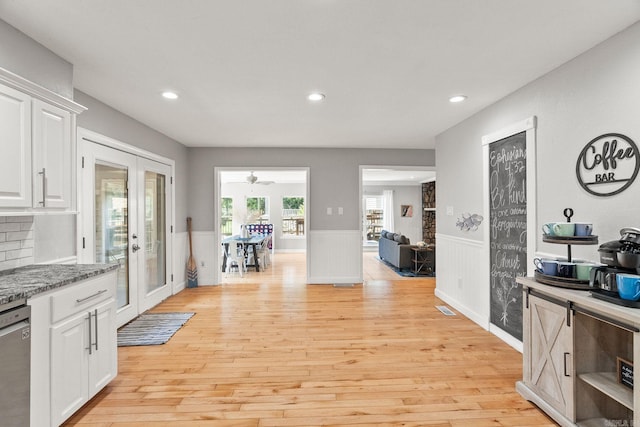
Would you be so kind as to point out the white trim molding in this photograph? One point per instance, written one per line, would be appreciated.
(528, 126)
(36, 91)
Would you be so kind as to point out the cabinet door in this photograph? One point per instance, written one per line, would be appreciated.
(103, 361)
(69, 367)
(549, 342)
(15, 146)
(52, 156)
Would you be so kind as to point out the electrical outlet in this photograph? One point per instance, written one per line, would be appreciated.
(329, 211)
(450, 210)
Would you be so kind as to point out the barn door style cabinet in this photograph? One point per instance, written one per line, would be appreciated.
(37, 140)
(578, 356)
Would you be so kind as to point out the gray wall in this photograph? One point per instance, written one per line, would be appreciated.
(107, 121)
(27, 58)
(598, 92)
(334, 178)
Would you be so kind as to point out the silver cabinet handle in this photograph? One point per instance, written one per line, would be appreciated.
(90, 339)
(78, 301)
(95, 314)
(44, 186)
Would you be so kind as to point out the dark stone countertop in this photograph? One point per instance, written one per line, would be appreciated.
(25, 282)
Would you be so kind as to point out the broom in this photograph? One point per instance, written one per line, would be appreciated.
(192, 269)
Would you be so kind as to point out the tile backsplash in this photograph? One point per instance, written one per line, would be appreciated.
(16, 241)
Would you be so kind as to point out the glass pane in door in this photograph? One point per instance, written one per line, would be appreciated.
(111, 222)
(154, 230)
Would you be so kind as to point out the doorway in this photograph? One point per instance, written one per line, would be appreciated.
(126, 206)
(271, 199)
(391, 198)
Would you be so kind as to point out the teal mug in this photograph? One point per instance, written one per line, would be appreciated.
(564, 229)
(583, 270)
(548, 228)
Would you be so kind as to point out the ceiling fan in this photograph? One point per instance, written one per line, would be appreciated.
(252, 179)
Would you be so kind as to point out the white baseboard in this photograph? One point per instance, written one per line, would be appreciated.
(464, 310)
(289, 251)
(330, 280)
(504, 336)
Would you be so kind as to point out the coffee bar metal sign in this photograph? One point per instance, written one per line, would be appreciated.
(608, 164)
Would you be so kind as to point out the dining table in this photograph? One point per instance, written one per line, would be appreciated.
(253, 241)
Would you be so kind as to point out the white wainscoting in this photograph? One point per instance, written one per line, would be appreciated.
(335, 256)
(204, 251)
(180, 254)
(462, 279)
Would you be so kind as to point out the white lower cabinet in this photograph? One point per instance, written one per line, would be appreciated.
(82, 359)
(82, 353)
(572, 343)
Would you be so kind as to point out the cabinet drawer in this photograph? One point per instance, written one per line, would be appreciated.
(82, 296)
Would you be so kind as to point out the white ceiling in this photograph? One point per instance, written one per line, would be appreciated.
(243, 68)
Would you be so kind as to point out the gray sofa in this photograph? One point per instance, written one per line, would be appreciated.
(395, 249)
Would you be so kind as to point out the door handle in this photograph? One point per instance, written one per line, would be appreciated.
(135, 247)
(565, 365)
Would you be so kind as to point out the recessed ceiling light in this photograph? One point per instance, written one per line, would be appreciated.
(316, 96)
(457, 98)
(170, 95)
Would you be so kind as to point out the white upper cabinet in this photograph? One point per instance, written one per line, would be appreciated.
(37, 142)
(52, 156)
(15, 146)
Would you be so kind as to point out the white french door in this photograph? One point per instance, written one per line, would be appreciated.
(126, 220)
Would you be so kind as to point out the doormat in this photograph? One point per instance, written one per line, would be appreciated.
(151, 328)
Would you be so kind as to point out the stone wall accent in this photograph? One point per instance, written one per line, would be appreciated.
(429, 216)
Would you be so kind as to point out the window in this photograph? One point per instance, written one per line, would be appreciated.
(293, 216)
(226, 216)
(373, 214)
(257, 210)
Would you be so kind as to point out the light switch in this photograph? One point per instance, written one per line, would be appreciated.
(329, 211)
(340, 210)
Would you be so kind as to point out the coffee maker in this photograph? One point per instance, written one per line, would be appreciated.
(619, 256)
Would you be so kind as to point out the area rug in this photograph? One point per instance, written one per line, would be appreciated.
(404, 272)
(151, 328)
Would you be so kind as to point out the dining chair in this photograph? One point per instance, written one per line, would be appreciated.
(235, 257)
(263, 252)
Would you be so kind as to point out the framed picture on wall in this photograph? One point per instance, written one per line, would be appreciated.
(406, 210)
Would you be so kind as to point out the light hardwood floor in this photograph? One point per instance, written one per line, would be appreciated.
(273, 351)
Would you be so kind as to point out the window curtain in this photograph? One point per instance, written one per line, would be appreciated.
(388, 219)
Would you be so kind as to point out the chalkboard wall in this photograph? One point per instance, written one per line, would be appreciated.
(508, 226)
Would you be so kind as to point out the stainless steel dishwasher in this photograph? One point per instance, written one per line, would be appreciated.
(15, 362)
